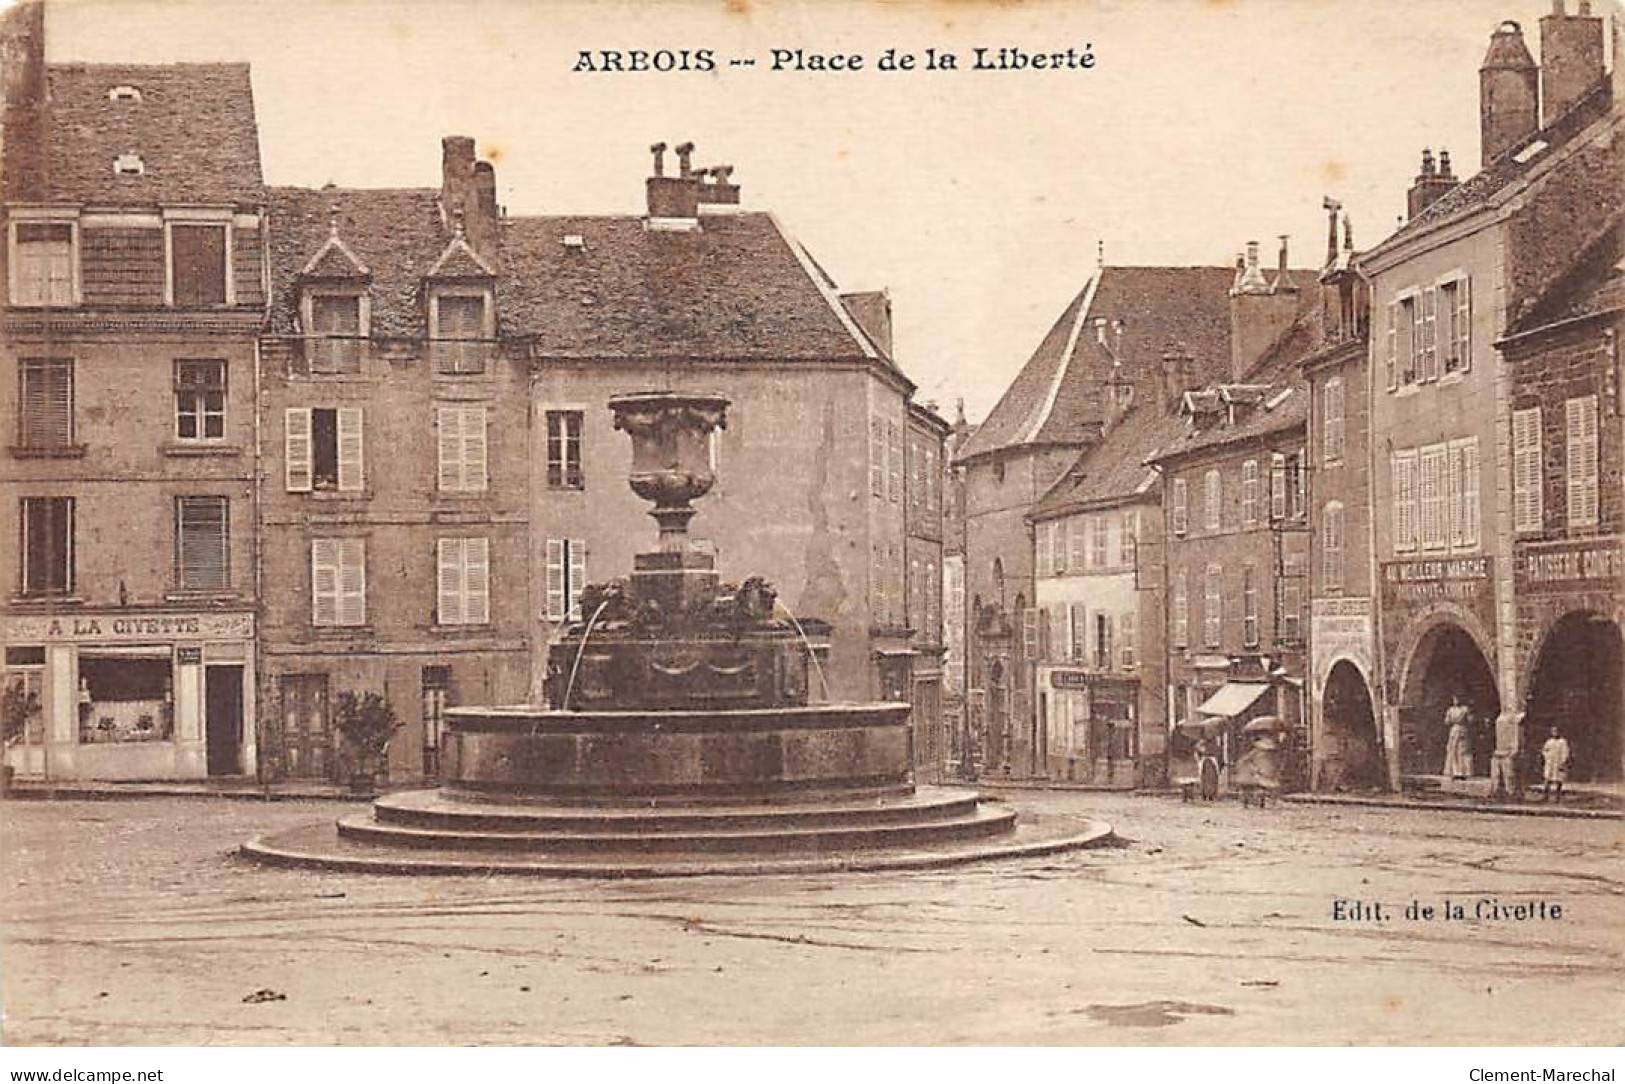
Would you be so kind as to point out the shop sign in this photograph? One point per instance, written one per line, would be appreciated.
(189, 656)
(1570, 566)
(1438, 579)
(1069, 679)
(127, 628)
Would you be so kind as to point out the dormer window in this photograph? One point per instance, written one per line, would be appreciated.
(336, 327)
(200, 263)
(460, 329)
(129, 165)
(43, 263)
(124, 93)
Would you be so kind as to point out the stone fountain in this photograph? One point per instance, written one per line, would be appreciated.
(679, 737)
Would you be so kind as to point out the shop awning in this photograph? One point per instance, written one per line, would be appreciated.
(1233, 698)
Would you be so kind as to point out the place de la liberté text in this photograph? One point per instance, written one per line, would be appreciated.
(1004, 58)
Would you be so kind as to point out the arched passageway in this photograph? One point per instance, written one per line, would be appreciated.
(1351, 758)
(1576, 686)
(1446, 663)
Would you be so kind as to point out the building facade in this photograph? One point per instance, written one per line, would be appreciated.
(923, 550)
(134, 269)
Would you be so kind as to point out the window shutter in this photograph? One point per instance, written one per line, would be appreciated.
(1181, 508)
(555, 579)
(1331, 567)
(1404, 468)
(1126, 652)
(47, 404)
(474, 458)
(1430, 339)
(1464, 323)
(350, 449)
(450, 598)
(1029, 631)
(1469, 492)
(1182, 613)
(1393, 345)
(1249, 493)
(324, 581)
(578, 576)
(352, 581)
(201, 543)
(1526, 470)
(1060, 540)
(296, 450)
(477, 581)
(1213, 491)
(450, 438)
(1278, 486)
(1080, 629)
(1046, 549)
(1581, 422)
(1455, 520)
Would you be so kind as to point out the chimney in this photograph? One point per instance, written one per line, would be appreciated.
(1258, 315)
(1283, 283)
(1431, 183)
(1571, 60)
(719, 195)
(1508, 93)
(483, 219)
(1331, 206)
(872, 311)
(456, 177)
(1175, 375)
(22, 55)
(674, 202)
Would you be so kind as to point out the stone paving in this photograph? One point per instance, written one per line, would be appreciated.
(132, 922)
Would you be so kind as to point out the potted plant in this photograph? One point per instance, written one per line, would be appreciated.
(365, 723)
(17, 706)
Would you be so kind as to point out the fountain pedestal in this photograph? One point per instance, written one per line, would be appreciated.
(678, 735)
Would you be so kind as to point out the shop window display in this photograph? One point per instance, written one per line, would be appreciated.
(124, 699)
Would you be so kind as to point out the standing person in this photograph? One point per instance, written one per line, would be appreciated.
(1458, 751)
(1504, 764)
(1555, 762)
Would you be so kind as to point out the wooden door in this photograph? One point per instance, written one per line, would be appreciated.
(307, 741)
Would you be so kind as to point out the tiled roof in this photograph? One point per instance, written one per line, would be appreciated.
(1503, 171)
(737, 288)
(395, 232)
(1157, 305)
(1116, 468)
(1594, 282)
(193, 129)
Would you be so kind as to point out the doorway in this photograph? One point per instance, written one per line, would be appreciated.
(223, 718)
(306, 741)
(1576, 687)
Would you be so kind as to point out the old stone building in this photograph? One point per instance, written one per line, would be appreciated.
(1445, 287)
(1345, 741)
(135, 288)
(923, 579)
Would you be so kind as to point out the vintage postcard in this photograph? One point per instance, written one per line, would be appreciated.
(772, 523)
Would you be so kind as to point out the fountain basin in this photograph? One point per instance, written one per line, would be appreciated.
(767, 753)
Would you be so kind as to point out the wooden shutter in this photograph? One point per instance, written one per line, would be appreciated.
(1046, 549)
(1127, 653)
(1182, 612)
(1277, 486)
(449, 600)
(1029, 631)
(477, 581)
(556, 609)
(1331, 564)
(47, 403)
(1453, 520)
(1213, 497)
(1404, 469)
(1464, 323)
(449, 421)
(1469, 492)
(296, 449)
(1393, 345)
(352, 598)
(474, 458)
(198, 265)
(1181, 506)
(324, 581)
(577, 577)
(1526, 470)
(1581, 425)
(1333, 421)
(1249, 493)
(351, 476)
(201, 543)
(1430, 336)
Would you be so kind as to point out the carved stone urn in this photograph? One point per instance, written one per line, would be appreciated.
(671, 453)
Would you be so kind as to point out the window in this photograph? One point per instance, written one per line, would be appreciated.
(197, 255)
(1212, 606)
(1580, 416)
(1461, 479)
(42, 263)
(462, 449)
(1288, 622)
(1079, 616)
(1332, 419)
(566, 575)
(336, 333)
(1127, 540)
(458, 338)
(1331, 547)
(1296, 486)
(1125, 636)
(932, 481)
(1098, 547)
(338, 581)
(1427, 367)
(202, 543)
(200, 400)
(1180, 507)
(1249, 493)
(564, 449)
(877, 457)
(45, 395)
(436, 685)
(1045, 558)
(1029, 627)
(1249, 607)
(25, 673)
(1103, 641)
(894, 448)
(1526, 471)
(47, 545)
(1077, 542)
(1182, 613)
(1432, 497)
(1278, 486)
(323, 449)
(1456, 311)
(1404, 467)
(463, 596)
(1212, 498)
(1058, 531)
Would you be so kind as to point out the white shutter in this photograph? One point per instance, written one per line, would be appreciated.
(555, 579)
(450, 440)
(477, 581)
(352, 603)
(351, 476)
(1464, 323)
(1249, 493)
(578, 576)
(296, 449)
(474, 473)
(1581, 422)
(1469, 492)
(1404, 502)
(1430, 337)
(1526, 470)
(324, 581)
(1393, 344)
(1277, 486)
(449, 579)
(1455, 521)
(1046, 549)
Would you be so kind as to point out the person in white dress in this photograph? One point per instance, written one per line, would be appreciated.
(1554, 757)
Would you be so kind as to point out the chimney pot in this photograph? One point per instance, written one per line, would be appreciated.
(684, 152)
(1444, 165)
(659, 151)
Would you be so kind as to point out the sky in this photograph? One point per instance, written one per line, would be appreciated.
(978, 198)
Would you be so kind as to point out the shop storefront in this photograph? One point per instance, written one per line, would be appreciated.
(1091, 734)
(126, 696)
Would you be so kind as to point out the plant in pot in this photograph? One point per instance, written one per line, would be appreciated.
(365, 723)
(17, 706)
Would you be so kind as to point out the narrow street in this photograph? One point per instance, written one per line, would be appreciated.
(132, 922)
